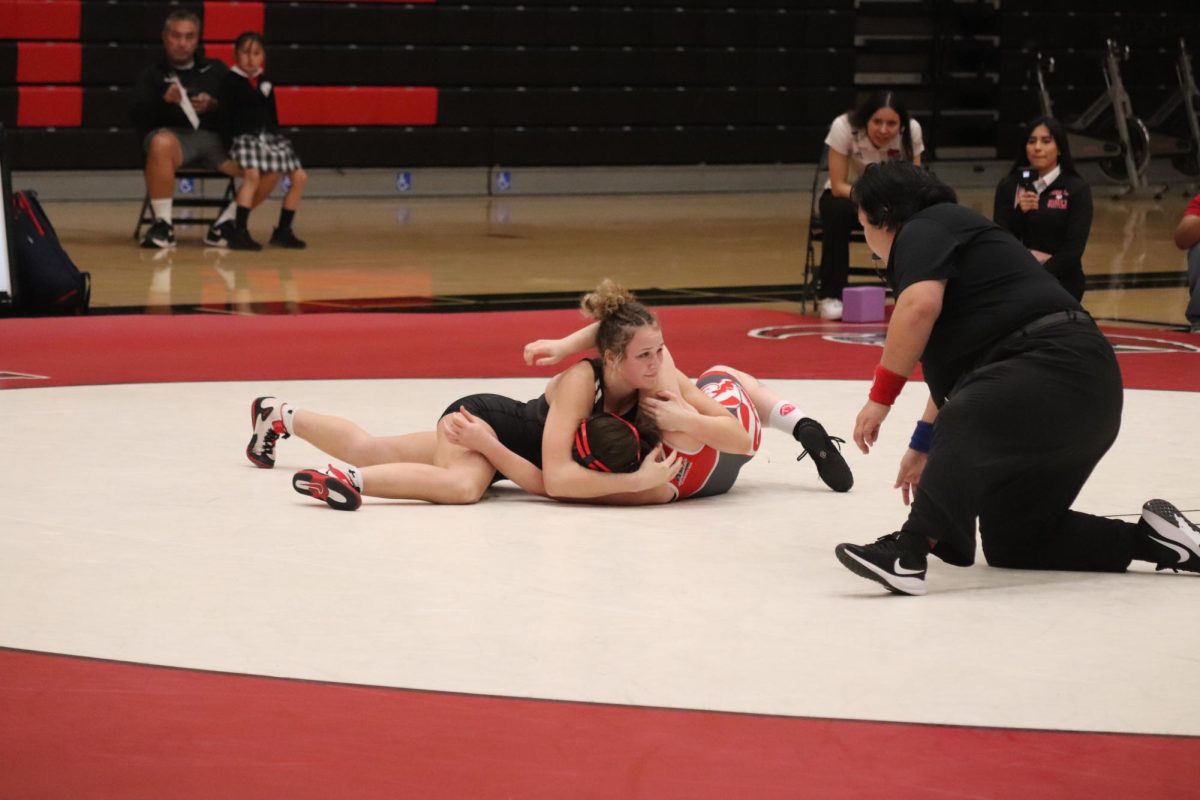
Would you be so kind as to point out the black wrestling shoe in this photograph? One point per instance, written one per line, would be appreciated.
(890, 560)
(1175, 533)
(239, 239)
(160, 235)
(826, 454)
(285, 237)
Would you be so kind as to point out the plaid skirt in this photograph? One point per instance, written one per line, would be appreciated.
(265, 152)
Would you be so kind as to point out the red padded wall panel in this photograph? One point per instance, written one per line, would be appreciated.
(357, 105)
(49, 62)
(39, 19)
(222, 51)
(224, 22)
(49, 107)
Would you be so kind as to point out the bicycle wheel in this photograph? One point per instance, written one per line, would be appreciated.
(1139, 144)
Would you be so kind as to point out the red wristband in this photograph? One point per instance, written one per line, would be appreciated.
(887, 385)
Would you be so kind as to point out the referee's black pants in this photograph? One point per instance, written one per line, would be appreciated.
(1013, 446)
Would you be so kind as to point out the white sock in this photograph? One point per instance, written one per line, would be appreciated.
(161, 208)
(229, 213)
(289, 411)
(355, 477)
(784, 416)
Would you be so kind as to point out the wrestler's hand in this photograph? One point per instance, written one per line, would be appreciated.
(466, 430)
(544, 352)
(658, 470)
(912, 464)
(667, 410)
(866, 426)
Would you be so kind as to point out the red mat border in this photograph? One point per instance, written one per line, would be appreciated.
(202, 347)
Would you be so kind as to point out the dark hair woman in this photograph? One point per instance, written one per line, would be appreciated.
(1024, 399)
(880, 129)
(1046, 204)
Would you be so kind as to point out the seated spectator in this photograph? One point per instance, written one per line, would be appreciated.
(175, 108)
(1046, 204)
(878, 130)
(262, 153)
(1187, 237)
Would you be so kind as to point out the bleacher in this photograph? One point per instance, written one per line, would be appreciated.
(551, 82)
(440, 84)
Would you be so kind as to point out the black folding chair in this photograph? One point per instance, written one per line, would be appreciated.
(194, 200)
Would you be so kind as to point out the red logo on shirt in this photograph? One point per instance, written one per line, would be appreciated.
(1058, 199)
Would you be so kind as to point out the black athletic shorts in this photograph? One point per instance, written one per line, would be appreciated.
(517, 423)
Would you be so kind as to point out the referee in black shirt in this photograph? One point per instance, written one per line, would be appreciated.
(1024, 399)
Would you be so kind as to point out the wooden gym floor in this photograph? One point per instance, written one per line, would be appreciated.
(537, 252)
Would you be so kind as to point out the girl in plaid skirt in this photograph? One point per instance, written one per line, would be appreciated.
(258, 148)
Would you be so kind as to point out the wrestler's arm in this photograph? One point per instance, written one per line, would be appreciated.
(688, 410)
(571, 394)
(544, 352)
(465, 429)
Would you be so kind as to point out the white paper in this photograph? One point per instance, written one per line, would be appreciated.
(185, 103)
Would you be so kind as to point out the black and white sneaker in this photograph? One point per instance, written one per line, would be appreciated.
(825, 453)
(218, 235)
(890, 560)
(161, 235)
(266, 418)
(1170, 529)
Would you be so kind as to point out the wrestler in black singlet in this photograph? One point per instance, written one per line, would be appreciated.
(519, 424)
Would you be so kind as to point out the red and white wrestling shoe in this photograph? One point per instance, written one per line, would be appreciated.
(331, 485)
(266, 417)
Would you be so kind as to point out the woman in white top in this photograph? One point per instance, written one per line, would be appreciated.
(878, 130)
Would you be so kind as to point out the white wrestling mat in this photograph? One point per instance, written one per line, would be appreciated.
(135, 529)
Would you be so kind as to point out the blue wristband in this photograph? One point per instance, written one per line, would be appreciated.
(922, 438)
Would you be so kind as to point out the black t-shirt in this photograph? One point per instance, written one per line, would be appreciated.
(150, 111)
(993, 287)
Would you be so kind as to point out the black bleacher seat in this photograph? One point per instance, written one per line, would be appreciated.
(658, 81)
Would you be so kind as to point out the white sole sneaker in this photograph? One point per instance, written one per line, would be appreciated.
(1172, 530)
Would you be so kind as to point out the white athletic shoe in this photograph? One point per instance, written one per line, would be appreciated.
(266, 417)
(1175, 533)
(831, 309)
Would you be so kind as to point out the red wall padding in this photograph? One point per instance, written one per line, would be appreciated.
(39, 19)
(49, 106)
(357, 105)
(222, 51)
(46, 62)
(224, 22)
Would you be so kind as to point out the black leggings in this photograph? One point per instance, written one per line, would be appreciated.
(839, 216)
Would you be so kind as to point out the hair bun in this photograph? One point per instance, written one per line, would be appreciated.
(606, 300)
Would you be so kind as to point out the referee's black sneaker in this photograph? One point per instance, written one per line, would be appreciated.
(1175, 534)
(825, 453)
(895, 560)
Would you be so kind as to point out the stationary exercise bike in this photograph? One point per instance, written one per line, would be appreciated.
(1183, 152)
(1123, 157)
